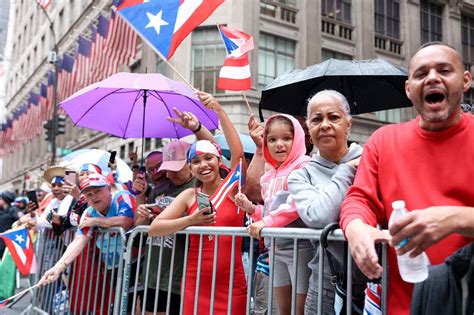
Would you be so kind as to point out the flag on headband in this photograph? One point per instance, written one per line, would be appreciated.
(44, 3)
(235, 73)
(165, 24)
(228, 184)
(21, 248)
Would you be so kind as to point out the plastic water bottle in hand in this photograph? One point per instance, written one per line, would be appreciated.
(411, 269)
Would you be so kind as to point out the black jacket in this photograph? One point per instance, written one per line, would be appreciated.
(7, 217)
(442, 292)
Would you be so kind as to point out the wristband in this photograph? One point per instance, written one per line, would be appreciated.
(198, 128)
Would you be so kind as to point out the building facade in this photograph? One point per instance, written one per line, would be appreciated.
(287, 34)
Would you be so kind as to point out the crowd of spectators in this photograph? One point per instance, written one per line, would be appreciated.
(289, 183)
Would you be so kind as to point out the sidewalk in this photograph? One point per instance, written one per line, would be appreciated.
(21, 304)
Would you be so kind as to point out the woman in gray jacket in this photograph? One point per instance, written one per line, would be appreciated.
(319, 188)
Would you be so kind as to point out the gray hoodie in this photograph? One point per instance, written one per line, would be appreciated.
(318, 190)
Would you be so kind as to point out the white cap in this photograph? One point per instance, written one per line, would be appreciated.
(398, 204)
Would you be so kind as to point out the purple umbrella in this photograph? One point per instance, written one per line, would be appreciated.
(135, 105)
(116, 106)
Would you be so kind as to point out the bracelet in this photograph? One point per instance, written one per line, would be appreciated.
(198, 128)
(65, 265)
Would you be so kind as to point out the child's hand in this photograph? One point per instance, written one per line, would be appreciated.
(254, 229)
(256, 131)
(244, 203)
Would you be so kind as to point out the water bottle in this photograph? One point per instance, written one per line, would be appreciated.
(411, 269)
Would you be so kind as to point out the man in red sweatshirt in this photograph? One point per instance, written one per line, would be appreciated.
(427, 162)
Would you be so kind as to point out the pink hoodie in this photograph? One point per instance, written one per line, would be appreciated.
(275, 180)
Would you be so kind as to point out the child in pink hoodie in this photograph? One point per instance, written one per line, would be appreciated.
(284, 151)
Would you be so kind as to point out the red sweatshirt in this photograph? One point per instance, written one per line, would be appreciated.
(405, 162)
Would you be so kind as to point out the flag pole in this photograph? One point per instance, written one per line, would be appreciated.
(159, 54)
(247, 103)
(22, 292)
(240, 182)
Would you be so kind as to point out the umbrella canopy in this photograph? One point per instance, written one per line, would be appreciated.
(135, 105)
(247, 143)
(368, 85)
(77, 158)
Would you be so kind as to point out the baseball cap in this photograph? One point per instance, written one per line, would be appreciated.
(93, 180)
(174, 156)
(203, 147)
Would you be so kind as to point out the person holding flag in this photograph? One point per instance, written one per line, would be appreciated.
(284, 152)
(205, 158)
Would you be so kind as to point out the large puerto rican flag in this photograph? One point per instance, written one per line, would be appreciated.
(235, 73)
(165, 24)
(21, 248)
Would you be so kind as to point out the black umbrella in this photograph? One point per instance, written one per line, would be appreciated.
(369, 86)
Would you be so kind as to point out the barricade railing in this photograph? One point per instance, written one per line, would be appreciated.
(91, 284)
(145, 249)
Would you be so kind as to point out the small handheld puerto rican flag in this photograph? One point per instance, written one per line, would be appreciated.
(235, 73)
(233, 179)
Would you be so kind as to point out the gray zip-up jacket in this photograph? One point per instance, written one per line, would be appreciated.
(318, 190)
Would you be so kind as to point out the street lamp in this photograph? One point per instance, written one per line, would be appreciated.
(53, 59)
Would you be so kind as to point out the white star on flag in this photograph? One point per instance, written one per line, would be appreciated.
(19, 239)
(155, 21)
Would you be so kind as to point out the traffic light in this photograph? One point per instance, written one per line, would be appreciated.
(48, 126)
(61, 125)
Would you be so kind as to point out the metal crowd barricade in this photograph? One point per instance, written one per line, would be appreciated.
(91, 284)
(143, 261)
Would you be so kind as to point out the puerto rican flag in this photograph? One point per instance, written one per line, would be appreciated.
(235, 73)
(233, 179)
(43, 3)
(21, 248)
(165, 24)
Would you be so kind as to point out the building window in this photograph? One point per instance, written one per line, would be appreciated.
(207, 58)
(340, 10)
(467, 38)
(391, 115)
(276, 56)
(147, 144)
(328, 54)
(122, 152)
(131, 147)
(158, 143)
(469, 97)
(161, 66)
(431, 22)
(387, 17)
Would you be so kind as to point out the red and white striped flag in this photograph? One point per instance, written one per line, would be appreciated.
(121, 45)
(235, 73)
